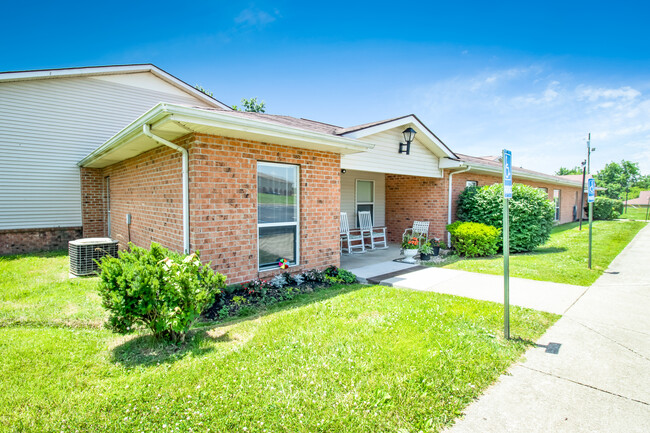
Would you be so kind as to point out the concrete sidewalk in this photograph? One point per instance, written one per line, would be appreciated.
(599, 379)
(540, 295)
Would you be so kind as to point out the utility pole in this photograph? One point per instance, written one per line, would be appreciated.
(582, 192)
(589, 150)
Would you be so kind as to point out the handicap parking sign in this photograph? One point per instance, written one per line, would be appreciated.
(591, 190)
(507, 173)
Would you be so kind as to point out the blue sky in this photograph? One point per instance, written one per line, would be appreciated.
(531, 77)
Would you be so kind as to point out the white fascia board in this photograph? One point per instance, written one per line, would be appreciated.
(451, 163)
(163, 112)
(529, 176)
(112, 70)
(188, 115)
(404, 121)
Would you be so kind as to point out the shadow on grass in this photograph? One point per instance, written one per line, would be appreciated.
(568, 226)
(147, 351)
(545, 250)
(41, 254)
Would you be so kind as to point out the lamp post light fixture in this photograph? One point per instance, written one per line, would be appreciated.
(408, 134)
(589, 150)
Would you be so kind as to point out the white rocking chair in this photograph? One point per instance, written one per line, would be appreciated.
(419, 230)
(350, 242)
(377, 235)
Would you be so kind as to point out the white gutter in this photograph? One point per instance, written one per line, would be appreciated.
(449, 200)
(146, 130)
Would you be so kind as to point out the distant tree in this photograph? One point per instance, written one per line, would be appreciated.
(251, 105)
(201, 89)
(564, 171)
(617, 177)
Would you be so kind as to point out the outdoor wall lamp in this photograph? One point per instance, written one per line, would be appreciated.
(408, 134)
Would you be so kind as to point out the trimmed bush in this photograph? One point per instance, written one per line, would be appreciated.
(531, 213)
(606, 208)
(162, 290)
(474, 239)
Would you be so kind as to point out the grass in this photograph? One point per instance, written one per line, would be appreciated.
(638, 214)
(352, 358)
(275, 199)
(564, 258)
(35, 289)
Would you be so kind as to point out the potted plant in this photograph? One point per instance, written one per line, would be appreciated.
(425, 251)
(436, 244)
(410, 245)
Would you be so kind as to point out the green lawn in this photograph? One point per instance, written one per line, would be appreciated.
(354, 359)
(564, 258)
(634, 214)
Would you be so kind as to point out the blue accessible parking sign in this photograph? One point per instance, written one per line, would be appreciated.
(591, 190)
(507, 174)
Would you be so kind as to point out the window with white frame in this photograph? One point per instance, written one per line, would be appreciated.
(365, 197)
(471, 183)
(556, 199)
(278, 213)
(545, 190)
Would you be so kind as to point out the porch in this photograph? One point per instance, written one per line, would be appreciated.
(375, 262)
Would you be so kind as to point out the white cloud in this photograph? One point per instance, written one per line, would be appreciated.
(254, 17)
(594, 94)
(542, 115)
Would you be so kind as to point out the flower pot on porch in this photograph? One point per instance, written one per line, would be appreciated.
(436, 251)
(410, 255)
(425, 256)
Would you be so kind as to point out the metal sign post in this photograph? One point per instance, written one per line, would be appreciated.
(591, 191)
(507, 194)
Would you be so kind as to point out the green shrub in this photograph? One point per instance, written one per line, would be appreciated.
(531, 213)
(606, 208)
(474, 239)
(157, 288)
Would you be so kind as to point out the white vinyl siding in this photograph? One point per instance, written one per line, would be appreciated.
(384, 157)
(348, 195)
(48, 125)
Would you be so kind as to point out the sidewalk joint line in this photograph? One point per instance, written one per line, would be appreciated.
(585, 385)
(611, 339)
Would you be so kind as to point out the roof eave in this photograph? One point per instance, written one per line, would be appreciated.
(399, 121)
(112, 70)
(541, 177)
(180, 114)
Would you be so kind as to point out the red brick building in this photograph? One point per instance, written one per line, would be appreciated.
(247, 188)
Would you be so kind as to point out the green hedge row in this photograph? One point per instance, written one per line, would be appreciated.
(474, 239)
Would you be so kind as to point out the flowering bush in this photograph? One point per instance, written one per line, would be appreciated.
(410, 243)
(157, 288)
(240, 299)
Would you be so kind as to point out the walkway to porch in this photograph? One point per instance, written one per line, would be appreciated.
(376, 262)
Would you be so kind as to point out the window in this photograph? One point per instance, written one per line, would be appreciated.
(277, 214)
(545, 190)
(556, 199)
(471, 183)
(365, 197)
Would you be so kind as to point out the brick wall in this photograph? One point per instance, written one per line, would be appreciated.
(223, 202)
(149, 187)
(223, 199)
(93, 202)
(410, 198)
(32, 240)
(569, 196)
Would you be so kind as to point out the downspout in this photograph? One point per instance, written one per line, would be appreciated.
(146, 130)
(451, 173)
